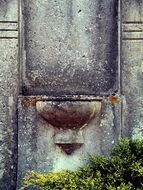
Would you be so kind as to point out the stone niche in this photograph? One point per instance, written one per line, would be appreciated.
(70, 47)
(69, 64)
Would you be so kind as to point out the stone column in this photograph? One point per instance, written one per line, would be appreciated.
(9, 85)
(132, 68)
(67, 59)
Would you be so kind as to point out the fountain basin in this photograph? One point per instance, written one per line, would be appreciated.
(68, 114)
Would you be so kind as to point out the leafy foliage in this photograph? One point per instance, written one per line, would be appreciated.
(123, 171)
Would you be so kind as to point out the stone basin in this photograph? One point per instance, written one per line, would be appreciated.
(68, 114)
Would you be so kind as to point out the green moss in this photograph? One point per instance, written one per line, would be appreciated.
(123, 171)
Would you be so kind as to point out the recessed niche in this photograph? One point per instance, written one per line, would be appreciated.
(70, 48)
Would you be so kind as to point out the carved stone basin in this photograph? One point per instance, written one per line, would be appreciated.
(68, 114)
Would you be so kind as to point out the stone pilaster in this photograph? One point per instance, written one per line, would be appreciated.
(8, 92)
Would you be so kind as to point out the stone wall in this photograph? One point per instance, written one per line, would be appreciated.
(71, 81)
(132, 68)
(9, 90)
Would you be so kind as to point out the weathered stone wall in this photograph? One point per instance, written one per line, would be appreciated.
(39, 141)
(8, 92)
(70, 50)
(132, 68)
(70, 47)
(65, 52)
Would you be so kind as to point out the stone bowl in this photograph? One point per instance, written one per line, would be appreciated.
(68, 114)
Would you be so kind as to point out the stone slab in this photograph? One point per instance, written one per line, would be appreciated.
(71, 47)
(132, 68)
(36, 148)
(8, 143)
(9, 85)
(8, 10)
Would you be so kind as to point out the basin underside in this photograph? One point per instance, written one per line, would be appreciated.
(68, 114)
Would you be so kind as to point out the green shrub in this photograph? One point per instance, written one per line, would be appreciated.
(123, 171)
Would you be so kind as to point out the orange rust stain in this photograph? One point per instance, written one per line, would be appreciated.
(29, 102)
(114, 100)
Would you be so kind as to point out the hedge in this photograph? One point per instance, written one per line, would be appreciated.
(122, 171)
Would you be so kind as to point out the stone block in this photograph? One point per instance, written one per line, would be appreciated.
(132, 68)
(44, 147)
(9, 89)
(71, 47)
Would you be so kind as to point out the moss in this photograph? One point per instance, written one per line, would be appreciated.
(123, 171)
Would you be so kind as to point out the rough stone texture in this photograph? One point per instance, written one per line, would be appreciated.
(132, 68)
(36, 139)
(8, 10)
(68, 114)
(8, 94)
(8, 143)
(70, 47)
